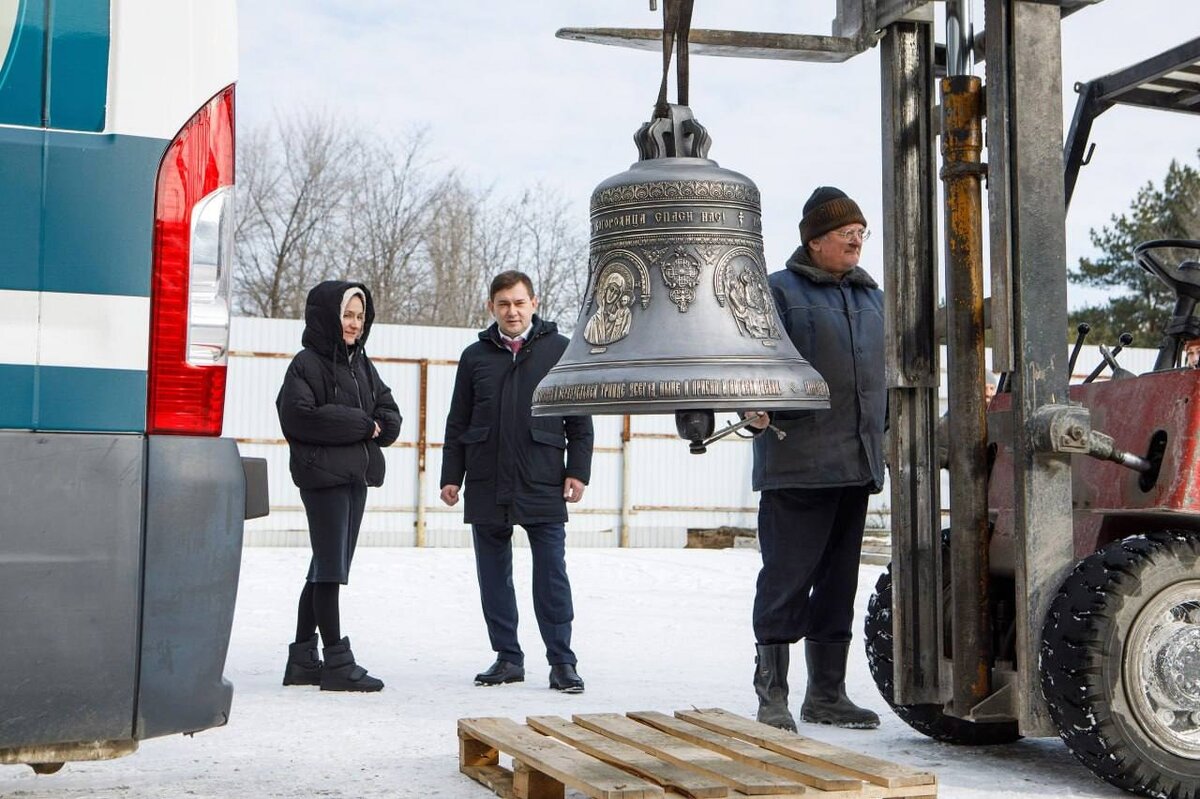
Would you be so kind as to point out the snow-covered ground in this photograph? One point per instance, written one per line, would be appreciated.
(654, 630)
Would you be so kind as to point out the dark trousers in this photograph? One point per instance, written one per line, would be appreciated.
(551, 589)
(334, 518)
(810, 541)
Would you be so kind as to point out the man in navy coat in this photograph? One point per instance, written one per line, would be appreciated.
(815, 483)
(518, 469)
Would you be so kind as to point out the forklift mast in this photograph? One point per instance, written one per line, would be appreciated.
(1030, 176)
(1024, 165)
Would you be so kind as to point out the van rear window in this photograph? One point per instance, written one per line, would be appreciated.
(74, 93)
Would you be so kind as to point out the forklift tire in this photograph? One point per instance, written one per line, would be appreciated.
(930, 719)
(1120, 659)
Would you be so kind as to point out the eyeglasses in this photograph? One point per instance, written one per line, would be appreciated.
(862, 234)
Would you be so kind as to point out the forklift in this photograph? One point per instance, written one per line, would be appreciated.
(1064, 599)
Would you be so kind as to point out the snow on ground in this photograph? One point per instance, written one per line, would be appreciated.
(654, 630)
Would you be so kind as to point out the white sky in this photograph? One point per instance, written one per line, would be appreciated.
(509, 105)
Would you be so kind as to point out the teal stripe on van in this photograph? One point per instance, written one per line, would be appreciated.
(65, 87)
(16, 396)
(63, 398)
(92, 233)
(22, 93)
(78, 85)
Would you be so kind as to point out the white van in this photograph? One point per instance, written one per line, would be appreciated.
(121, 508)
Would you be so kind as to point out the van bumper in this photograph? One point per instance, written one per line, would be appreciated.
(119, 562)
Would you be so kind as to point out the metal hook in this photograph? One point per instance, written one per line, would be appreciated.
(1087, 159)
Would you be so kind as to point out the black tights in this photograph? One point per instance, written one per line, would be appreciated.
(319, 608)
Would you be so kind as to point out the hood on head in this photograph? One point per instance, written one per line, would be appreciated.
(323, 315)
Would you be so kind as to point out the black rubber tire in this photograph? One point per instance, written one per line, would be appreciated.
(926, 719)
(1083, 644)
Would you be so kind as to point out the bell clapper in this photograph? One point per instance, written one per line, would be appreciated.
(697, 428)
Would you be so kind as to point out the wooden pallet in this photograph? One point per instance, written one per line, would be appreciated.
(695, 753)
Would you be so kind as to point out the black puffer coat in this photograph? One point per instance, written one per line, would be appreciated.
(513, 461)
(838, 326)
(332, 397)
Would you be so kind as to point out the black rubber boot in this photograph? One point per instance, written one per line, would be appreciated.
(303, 664)
(341, 673)
(770, 683)
(825, 701)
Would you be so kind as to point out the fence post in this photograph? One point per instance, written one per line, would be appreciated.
(422, 447)
(625, 469)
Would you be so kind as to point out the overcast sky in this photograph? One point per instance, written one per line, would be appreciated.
(509, 105)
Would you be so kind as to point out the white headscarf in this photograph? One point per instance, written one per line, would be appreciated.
(351, 293)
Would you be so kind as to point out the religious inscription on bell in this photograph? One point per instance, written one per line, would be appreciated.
(694, 388)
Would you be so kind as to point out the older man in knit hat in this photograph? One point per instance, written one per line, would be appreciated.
(816, 481)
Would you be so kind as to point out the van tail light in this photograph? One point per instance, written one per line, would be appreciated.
(191, 280)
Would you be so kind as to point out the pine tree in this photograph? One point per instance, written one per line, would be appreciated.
(1144, 306)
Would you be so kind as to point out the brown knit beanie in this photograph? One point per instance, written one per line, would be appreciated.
(828, 209)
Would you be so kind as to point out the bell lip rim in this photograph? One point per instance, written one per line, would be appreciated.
(799, 361)
(667, 407)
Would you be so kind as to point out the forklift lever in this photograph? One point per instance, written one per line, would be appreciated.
(1103, 447)
(1110, 359)
(1081, 333)
(1068, 429)
(1119, 373)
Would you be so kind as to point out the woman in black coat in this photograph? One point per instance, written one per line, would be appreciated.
(336, 414)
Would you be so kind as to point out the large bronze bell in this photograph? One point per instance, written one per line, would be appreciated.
(678, 315)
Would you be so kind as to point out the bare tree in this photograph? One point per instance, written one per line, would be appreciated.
(550, 247)
(389, 209)
(474, 236)
(293, 178)
(457, 259)
(316, 201)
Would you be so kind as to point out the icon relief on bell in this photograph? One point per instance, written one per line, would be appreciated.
(738, 282)
(681, 273)
(614, 295)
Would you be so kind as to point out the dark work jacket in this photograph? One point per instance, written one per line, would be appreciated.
(513, 462)
(838, 326)
(331, 398)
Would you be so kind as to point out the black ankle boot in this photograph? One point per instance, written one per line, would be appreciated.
(303, 664)
(825, 701)
(770, 683)
(341, 673)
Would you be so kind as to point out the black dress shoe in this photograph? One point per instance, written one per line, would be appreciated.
(563, 677)
(500, 672)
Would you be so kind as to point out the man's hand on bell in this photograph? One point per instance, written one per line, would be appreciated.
(761, 419)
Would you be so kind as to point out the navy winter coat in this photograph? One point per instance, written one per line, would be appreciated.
(513, 462)
(332, 397)
(837, 325)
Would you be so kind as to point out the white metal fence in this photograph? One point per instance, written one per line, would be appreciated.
(646, 489)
